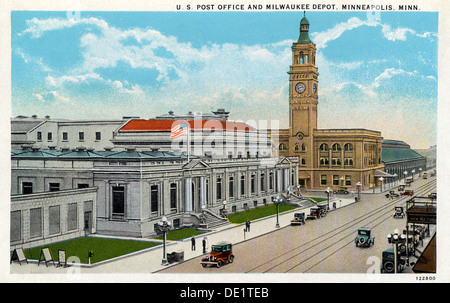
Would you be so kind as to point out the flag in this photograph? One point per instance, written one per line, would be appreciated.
(178, 130)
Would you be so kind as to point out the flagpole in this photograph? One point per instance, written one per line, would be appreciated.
(188, 139)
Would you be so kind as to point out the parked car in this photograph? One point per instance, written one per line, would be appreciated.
(387, 263)
(220, 254)
(315, 213)
(341, 190)
(363, 238)
(425, 176)
(398, 212)
(401, 188)
(407, 192)
(299, 219)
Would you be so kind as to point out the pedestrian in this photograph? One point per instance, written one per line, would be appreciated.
(248, 228)
(193, 244)
(204, 245)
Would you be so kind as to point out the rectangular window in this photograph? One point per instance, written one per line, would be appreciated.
(323, 179)
(65, 136)
(16, 226)
(72, 216)
(270, 180)
(98, 136)
(82, 185)
(335, 180)
(27, 188)
(173, 196)
(219, 189)
(348, 180)
(253, 184)
(49, 136)
(231, 187)
(242, 185)
(53, 186)
(54, 220)
(36, 222)
(263, 182)
(154, 199)
(81, 136)
(118, 203)
(39, 136)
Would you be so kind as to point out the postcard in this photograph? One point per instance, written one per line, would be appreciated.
(254, 140)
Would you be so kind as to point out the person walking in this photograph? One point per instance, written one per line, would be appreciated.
(193, 244)
(204, 245)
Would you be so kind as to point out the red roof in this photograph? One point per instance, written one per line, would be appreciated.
(166, 125)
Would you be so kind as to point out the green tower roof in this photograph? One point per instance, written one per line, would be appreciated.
(304, 28)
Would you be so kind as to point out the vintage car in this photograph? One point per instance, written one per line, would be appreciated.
(425, 176)
(363, 238)
(401, 188)
(340, 190)
(407, 192)
(392, 194)
(324, 208)
(299, 219)
(398, 212)
(387, 262)
(315, 213)
(432, 195)
(220, 254)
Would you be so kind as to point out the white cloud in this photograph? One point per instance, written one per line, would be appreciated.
(322, 38)
(37, 27)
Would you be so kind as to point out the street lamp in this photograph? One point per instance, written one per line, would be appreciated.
(396, 239)
(328, 196)
(420, 172)
(277, 200)
(223, 210)
(412, 172)
(358, 187)
(164, 226)
(395, 180)
(381, 181)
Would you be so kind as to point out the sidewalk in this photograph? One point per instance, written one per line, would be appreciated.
(149, 261)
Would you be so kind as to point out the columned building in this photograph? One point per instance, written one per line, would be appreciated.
(327, 157)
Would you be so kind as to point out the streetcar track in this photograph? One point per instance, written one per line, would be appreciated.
(384, 209)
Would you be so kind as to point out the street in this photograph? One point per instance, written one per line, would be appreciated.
(320, 246)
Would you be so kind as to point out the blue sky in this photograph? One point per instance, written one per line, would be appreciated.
(376, 71)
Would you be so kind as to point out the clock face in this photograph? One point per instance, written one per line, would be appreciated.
(299, 135)
(314, 88)
(300, 87)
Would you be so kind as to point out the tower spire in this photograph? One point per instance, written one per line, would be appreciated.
(304, 28)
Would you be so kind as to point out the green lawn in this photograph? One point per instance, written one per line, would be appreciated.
(182, 233)
(257, 213)
(104, 249)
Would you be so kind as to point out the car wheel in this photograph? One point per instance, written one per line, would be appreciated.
(389, 267)
(231, 259)
(219, 263)
(204, 265)
(361, 241)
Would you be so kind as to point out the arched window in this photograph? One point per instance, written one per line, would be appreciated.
(301, 58)
(336, 147)
(303, 147)
(296, 147)
(348, 147)
(323, 147)
(282, 146)
(306, 59)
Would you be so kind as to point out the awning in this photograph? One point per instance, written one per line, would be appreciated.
(379, 173)
(427, 261)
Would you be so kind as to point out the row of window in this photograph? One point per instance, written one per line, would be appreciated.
(27, 187)
(335, 161)
(323, 147)
(65, 136)
(118, 192)
(337, 180)
(36, 221)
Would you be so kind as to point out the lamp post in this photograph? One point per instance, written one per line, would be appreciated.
(164, 226)
(223, 211)
(381, 186)
(396, 239)
(405, 173)
(328, 191)
(395, 180)
(277, 200)
(358, 187)
(420, 172)
(412, 173)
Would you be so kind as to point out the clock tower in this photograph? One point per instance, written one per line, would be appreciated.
(303, 85)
